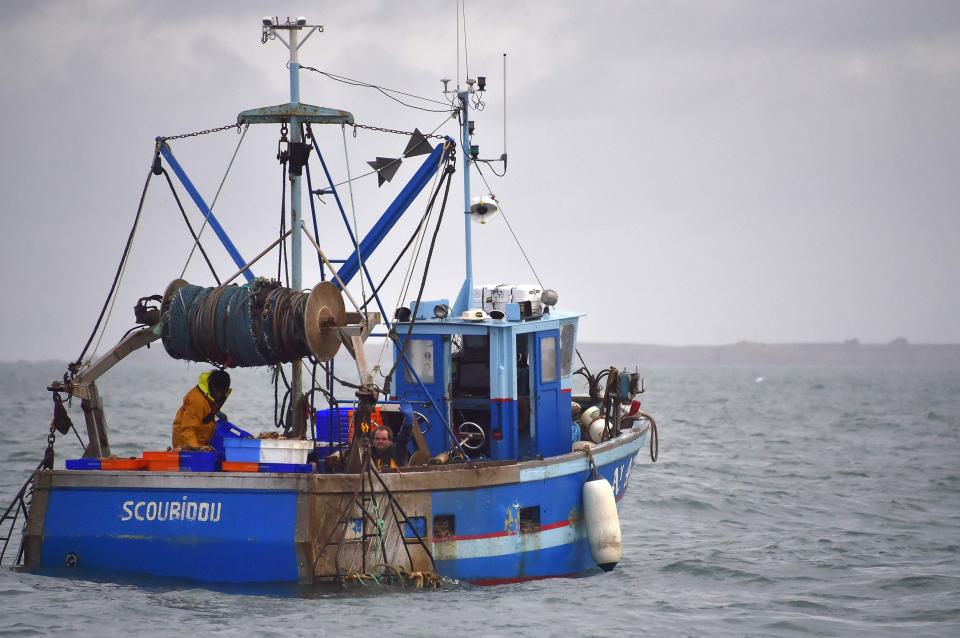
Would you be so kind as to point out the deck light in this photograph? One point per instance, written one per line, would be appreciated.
(301, 21)
(267, 21)
(441, 311)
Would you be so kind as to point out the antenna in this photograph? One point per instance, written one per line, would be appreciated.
(504, 156)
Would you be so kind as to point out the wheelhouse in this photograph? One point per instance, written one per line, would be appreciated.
(509, 377)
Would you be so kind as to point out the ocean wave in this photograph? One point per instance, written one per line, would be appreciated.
(699, 568)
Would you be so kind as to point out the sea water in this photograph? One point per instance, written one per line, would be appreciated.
(786, 501)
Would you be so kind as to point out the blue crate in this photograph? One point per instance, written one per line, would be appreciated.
(328, 416)
(224, 431)
(242, 450)
(198, 461)
(200, 467)
(291, 468)
(83, 464)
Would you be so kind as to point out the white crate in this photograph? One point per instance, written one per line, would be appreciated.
(284, 451)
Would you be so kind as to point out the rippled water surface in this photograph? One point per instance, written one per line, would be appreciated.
(786, 501)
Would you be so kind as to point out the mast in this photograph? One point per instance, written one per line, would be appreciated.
(466, 291)
(272, 26)
(296, 279)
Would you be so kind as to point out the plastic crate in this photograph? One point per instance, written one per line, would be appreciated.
(341, 423)
(226, 430)
(246, 450)
(163, 466)
(127, 465)
(198, 461)
(287, 468)
(284, 451)
(167, 455)
(162, 461)
(233, 466)
(267, 450)
(82, 464)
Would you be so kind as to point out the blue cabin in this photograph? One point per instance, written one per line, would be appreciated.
(510, 373)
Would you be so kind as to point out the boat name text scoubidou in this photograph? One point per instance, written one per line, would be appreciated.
(182, 510)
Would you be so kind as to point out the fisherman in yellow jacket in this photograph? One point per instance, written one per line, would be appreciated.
(195, 421)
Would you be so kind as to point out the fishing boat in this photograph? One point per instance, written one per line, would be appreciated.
(505, 474)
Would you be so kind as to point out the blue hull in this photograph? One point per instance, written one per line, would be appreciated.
(233, 528)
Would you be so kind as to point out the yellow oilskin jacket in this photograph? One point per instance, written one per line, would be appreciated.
(194, 424)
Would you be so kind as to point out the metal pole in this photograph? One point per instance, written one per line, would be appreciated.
(296, 382)
(466, 293)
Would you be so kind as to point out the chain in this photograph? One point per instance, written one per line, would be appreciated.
(203, 132)
(48, 453)
(393, 130)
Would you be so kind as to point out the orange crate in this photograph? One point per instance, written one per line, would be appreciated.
(123, 464)
(237, 466)
(164, 466)
(164, 461)
(171, 455)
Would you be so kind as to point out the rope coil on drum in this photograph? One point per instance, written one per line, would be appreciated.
(257, 324)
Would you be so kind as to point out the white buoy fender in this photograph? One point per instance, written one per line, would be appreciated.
(602, 521)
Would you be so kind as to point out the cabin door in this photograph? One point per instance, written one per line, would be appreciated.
(423, 383)
(552, 430)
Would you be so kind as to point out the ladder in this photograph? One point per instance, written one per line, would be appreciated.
(8, 522)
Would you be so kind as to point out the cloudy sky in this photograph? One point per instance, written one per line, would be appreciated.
(685, 172)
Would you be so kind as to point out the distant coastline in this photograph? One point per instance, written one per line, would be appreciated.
(898, 352)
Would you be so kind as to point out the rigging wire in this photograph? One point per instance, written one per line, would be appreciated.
(385, 91)
(74, 367)
(448, 171)
(206, 218)
(396, 262)
(458, 45)
(466, 54)
(421, 232)
(283, 262)
(373, 172)
(353, 212)
(186, 219)
(509, 227)
(123, 270)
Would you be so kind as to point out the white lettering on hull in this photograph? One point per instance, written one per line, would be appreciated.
(181, 510)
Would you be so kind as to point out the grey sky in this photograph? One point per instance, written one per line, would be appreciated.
(686, 173)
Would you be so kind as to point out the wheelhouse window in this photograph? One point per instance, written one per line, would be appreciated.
(420, 352)
(548, 359)
(567, 335)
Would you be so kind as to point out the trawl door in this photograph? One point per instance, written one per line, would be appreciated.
(552, 428)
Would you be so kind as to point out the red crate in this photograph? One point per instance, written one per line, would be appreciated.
(238, 466)
(162, 461)
(166, 455)
(130, 464)
(164, 466)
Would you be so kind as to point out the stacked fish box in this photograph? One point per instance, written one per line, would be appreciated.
(180, 461)
(267, 455)
(332, 428)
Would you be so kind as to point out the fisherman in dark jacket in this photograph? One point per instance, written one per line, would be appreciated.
(383, 453)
